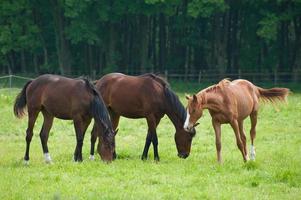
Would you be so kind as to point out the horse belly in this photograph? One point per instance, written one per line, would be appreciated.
(129, 110)
(57, 112)
(244, 107)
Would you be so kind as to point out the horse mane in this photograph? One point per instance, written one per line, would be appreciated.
(175, 103)
(159, 79)
(98, 107)
(171, 97)
(221, 85)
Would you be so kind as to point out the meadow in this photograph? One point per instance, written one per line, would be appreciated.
(276, 173)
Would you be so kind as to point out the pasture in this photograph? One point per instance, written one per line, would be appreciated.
(276, 173)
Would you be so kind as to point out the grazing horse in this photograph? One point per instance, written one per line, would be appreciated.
(231, 102)
(146, 96)
(65, 98)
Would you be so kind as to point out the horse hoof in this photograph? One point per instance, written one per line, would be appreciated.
(47, 158)
(91, 157)
(26, 162)
(143, 158)
(48, 162)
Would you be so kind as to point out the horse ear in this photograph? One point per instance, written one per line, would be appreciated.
(196, 124)
(187, 96)
(195, 99)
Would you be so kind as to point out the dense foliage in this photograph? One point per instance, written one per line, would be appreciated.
(99, 36)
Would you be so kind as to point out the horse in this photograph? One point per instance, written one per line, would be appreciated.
(145, 96)
(230, 103)
(68, 99)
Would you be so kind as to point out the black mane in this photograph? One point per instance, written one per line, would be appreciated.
(99, 109)
(160, 80)
(174, 103)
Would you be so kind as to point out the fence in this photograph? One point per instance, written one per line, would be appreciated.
(15, 81)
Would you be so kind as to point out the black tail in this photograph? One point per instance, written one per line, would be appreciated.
(98, 108)
(20, 102)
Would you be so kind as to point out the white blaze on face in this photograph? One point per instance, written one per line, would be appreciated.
(187, 124)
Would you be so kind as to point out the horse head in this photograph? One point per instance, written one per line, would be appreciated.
(106, 145)
(194, 112)
(183, 139)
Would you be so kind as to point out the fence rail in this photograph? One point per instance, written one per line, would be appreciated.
(10, 81)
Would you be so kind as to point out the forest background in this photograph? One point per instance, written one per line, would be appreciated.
(74, 37)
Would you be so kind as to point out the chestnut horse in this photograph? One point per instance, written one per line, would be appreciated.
(146, 96)
(231, 102)
(65, 98)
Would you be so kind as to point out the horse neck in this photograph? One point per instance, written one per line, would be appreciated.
(210, 100)
(174, 118)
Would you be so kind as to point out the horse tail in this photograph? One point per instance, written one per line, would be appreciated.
(20, 102)
(273, 94)
(98, 108)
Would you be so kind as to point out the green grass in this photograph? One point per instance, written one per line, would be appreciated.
(276, 173)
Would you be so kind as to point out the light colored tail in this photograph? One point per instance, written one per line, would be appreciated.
(273, 94)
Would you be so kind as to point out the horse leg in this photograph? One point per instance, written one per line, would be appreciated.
(93, 140)
(80, 129)
(32, 117)
(148, 141)
(243, 138)
(152, 123)
(253, 118)
(44, 134)
(218, 144)
(234, 125)
(115, 121)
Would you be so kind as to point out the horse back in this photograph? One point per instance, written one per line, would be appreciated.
(244, 94)
(131, 96)
(60, 96)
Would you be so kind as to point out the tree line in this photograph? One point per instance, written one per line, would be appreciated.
(100, 36)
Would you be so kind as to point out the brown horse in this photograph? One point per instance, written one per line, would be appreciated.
(146, 96)
(231, 102)
(65, 98)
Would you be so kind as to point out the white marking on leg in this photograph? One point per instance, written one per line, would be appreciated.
(26, 162)
(186, 124)
(47, 158)
(252, 152)
(91, 157)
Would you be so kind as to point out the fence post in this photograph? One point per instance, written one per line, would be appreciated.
(10, 82)
(200, 76)
(93, 74)
(275, 77)
(166, 74)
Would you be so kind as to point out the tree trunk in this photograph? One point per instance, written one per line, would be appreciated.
(35, 63)
(297, 50)
(62, 44)
(154, 43)
(143, 20)
(162, 41)
(110, 54)
(23, 61)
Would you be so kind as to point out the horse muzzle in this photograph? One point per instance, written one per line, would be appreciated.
(183, 155)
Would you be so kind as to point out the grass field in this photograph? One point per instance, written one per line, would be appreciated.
(276, 173)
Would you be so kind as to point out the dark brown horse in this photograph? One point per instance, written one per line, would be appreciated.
(231, 102)
(65, 98)
(146, 96)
